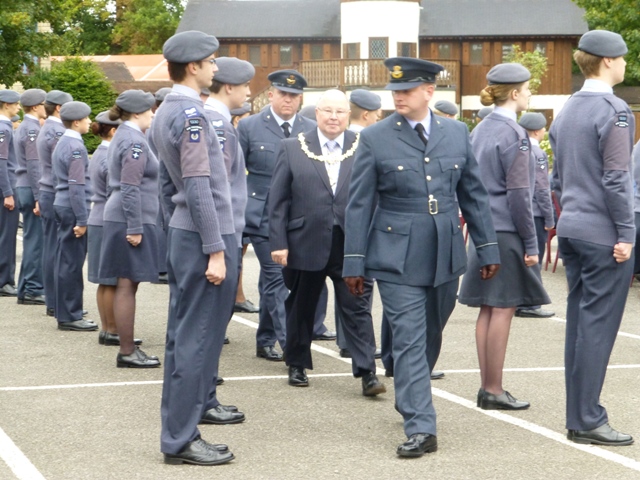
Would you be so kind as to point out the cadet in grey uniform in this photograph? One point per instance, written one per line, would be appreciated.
(202, 254)
(408, 170)
(70, 162)
(9, 214)
(482, 113)
(534, 124)
(47, 140)
(636, 204)
(30, 288)
(445, 108)
(592, 138)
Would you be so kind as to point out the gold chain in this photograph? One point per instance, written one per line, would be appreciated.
(330, 159)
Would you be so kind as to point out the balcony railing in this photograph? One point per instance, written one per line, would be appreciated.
(365, 73)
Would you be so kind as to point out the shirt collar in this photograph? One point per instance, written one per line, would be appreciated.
(72, 133)
(32, 117)
(280, 120)
(105, 143)
(426, 123)
(356, 128)
(505, 112)
(132, 125)
(593, 85)
(533, 141)
(323, 140)
(184, 90)
(2, 117)
(54, 119)
(217, 106)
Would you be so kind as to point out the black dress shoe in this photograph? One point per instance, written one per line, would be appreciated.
(163, 278)
(78, 326)
(268, 353)
(603, 435)
(8, 290)
(504, 401)
(328, 335)
(479, 397)
(245, 307)
(226, 340)
(199, 452)
(219, 380)
(31, 300)
(377, 354)
(298, 377)
(388, 372)
(345, 353)
(222, 416)
(437, 375)
(51, 312)
(113, 339)
(371, 386)
(417, 445)
(534, 313)
(85, 313)
(137, 359)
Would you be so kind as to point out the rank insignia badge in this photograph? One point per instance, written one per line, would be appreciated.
(137, 150)
(622, 121)
(194, 128)
(524, 145)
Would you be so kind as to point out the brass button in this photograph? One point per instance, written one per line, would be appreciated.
(400, 167)
(261, 147)
(253, 194)
(426, 159)
(455, 166)
(399, 123)
(428, 178)
(389, 229)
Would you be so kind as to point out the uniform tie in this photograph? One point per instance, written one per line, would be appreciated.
(333, 170)
(421, 133)
(285, 128)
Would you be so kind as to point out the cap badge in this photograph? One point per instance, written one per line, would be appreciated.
(291, 80)
(397, 72)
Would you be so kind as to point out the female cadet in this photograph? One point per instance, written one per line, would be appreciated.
(507, 167)
(73, 189)
(130, 244)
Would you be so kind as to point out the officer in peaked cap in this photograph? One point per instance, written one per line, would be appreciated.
(260, 137)
(390, 218)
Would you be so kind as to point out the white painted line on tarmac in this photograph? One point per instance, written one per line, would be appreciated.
(19, 464)
(620, 334)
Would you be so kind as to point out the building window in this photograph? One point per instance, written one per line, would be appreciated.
(351, 51)
(475, 54)
(444, 50)
(540, 47)
(507, 49)
(223, 51)
(286, 55)
(254, 55)
(317, 52)
(378, 47)
(407, 49)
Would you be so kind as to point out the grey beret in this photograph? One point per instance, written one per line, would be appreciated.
(233, 71)
(245, 108)
(103, 117)
(508, 73)
(308, 111)
(57, 97)
(15, 118)
(162, 93)
(289, 81)
(483, 112)
(447, 107)
(407, 72)
(603, 43)
(365, 99)
(71, 111)
(135, 101)
(9, 96)
(189, 46)
(533, 121)
(33, 97)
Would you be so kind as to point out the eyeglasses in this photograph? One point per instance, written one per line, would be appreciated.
(337, 113)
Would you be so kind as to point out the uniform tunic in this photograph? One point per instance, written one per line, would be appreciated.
(8, 219)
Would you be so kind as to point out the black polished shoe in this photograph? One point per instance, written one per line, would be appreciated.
(417, 445)
(268, 353)
(534, 313)
(163, 278)
(113, 339)
(8, 290)
(51, 312)
(226, 340)
(31, 300)
(298, 377)
(603, 435)
(198, 452)
(377, 354)
(345, 353)
(481, 393)
(219, 381)
(78, 326)
(85, 313)
(328, 335)
(504, 401)
(245, 307)
(371, 386)
(222, 416)
(437, 375)
(388, 372)
(137, 359)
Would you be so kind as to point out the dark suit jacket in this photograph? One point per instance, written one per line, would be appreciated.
(260, 137)
(302, 206)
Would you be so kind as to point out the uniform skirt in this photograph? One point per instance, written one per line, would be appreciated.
(120, 259)
(514, 285)
(94, 245)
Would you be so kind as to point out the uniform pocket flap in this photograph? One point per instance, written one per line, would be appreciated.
(295, 223)
(257, 190)
(454, 163)
(392, 224)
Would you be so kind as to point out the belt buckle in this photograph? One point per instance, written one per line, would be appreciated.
(433, 205)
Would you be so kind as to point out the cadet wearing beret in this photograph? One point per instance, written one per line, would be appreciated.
(592, 139)
(9, 214)
(534, 123)
(202, 253)
(444, 108)
(391, 216)
(260, 137)
(365, 109)
(30, 288)
(482, 113)
(72, 203)
(51, 132)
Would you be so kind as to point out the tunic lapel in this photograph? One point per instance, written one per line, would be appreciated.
(407, 134)
(347, 163)
(436, 134)
(271, 124)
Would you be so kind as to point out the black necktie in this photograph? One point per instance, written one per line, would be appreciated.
(421, 133)
(285, 128)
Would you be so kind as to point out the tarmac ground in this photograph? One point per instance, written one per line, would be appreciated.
(67, 412)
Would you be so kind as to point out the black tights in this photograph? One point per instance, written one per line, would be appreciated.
(124, 309)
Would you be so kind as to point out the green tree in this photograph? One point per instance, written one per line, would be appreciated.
(88, 30)
(535, 62)
(620, 16)
(142, 26)
(83, 80)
